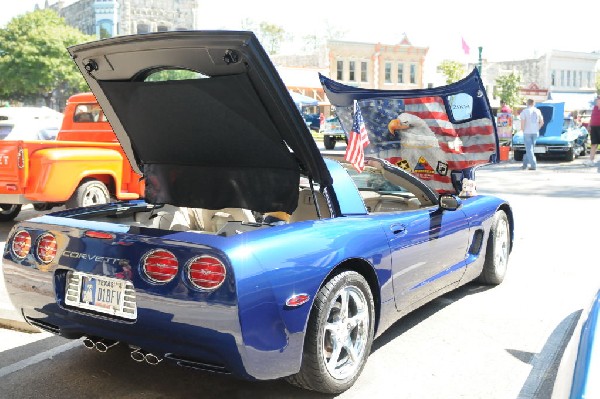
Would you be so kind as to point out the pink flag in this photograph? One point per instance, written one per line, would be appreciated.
(465, 46)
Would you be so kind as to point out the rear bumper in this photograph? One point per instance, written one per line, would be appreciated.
(190, 332)
(14, 199)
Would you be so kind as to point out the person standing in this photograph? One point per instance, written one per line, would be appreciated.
(531, 122)
(594, 132)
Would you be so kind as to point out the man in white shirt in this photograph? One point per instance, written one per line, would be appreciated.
(531, 122)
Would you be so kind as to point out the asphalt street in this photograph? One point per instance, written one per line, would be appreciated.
(476, 342)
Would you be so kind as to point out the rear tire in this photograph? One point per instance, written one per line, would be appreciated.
(497, 251)
(9, 211)
(90, 192)
(339, 335)
(329, 142)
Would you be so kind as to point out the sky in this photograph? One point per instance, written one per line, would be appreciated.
(506, 29)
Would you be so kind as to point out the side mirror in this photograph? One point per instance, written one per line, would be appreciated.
(449, 202)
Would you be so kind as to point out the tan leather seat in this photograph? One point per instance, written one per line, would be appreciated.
(306, 206)
(214, 219)
(168, 217)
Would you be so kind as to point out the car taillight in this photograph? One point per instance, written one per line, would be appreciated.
(21, 244)
(206, 272)
(160, 265)
(46, 248)
(20, 158)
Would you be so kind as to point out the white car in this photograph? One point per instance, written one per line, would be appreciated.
(29, 123)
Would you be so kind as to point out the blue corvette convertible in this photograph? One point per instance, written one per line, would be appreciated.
(252, 254)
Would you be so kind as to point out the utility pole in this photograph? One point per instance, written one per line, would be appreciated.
(479, 66)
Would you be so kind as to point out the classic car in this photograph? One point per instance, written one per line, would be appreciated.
(559, 137)
(251, 254)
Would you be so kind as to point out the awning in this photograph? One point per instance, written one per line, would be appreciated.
(575, 101)
(303, 101)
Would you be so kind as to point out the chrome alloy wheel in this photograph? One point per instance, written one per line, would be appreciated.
(346, 332)
(501, 245)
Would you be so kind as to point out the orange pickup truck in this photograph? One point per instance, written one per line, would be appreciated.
(84, 166)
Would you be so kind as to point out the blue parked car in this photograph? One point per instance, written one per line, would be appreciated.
(252, 254)
(559, 137)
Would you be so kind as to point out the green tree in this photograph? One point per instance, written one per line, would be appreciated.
(34, 61)
(452, 70)
(508, 89)
(597, 82)
(271, 36)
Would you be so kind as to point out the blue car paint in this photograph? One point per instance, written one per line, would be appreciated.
(585, 382)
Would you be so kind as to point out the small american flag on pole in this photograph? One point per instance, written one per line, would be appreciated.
(358, 140)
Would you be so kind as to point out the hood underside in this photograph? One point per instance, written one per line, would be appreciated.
(230, 136)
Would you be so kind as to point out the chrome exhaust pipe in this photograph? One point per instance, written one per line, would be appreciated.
(89, 343)
(103, 346)
(138, 355)
(152, 359)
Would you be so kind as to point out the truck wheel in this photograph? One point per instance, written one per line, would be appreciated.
(9, 211)
(329, 142)
(91, 192)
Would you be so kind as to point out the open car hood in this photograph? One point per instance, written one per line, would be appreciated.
(233, 138)
(439, 135)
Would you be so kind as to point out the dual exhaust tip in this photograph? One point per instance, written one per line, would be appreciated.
(101, 345)
(139, 355)
(142, 356)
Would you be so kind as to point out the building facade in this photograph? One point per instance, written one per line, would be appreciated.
(376, 65)
(107, 18)
(557, 75)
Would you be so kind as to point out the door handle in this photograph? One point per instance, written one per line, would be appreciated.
(398, 229)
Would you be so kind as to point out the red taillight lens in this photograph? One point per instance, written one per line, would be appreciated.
(21, 244)
(20, 158)
(46, 248)
(160, 265)
(206, 272)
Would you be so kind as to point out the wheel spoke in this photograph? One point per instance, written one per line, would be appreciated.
(335, 355)
(359, 318)
(351, 349)
(344, 296)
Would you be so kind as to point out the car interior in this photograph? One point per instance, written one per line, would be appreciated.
(383, 187)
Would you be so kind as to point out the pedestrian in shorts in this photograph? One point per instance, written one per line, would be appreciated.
(594, 132)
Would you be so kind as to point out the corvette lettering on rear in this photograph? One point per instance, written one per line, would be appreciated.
(93, 258)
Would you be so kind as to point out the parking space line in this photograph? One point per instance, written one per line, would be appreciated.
(20, 365)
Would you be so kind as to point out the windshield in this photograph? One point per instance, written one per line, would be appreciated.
(371, 179)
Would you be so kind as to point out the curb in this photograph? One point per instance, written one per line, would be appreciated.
(11, 320)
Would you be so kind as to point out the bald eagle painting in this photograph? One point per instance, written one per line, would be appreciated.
(440, 136)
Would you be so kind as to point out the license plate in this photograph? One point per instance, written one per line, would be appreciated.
(539, 150)
(101, 294)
